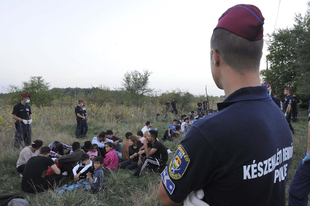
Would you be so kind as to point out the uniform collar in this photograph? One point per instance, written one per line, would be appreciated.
(244, 94)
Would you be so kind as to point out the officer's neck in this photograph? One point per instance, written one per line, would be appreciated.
(232, 80)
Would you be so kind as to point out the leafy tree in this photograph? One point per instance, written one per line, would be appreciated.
(136, 84)
(37, 88)
(289, 58)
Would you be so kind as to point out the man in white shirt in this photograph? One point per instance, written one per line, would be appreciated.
(147, 127)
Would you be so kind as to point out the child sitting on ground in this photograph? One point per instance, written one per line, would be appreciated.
(111, 159)
(93, 152)
(96, 179)
(82, 168)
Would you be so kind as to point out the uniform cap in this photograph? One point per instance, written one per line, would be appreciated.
(287, 88)
(244, 20)
(275, 94)
(267, 85)
(83, 105)
(25, 95)
(81, 101)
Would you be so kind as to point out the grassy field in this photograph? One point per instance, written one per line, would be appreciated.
(58, 123)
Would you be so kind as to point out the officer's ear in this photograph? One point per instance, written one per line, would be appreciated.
(215, 58)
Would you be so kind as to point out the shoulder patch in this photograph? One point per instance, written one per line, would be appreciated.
(179, 163)
(170, 186)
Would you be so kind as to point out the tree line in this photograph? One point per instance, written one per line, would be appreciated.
(289, 58)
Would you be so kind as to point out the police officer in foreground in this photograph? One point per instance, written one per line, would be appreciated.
(235, 156)
(22, 114)
(79, 117)
(287, 107)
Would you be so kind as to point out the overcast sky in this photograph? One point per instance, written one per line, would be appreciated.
(90, 43)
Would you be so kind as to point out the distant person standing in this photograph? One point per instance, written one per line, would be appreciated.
(287, 107)
(199, 107)
(276, 100)
(205, 105)
(22, 114)
(85, 125)
(167, 106)
(295, 103)
(79, 117)
(174, 106)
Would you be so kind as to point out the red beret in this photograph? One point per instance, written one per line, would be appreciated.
(275, 94)
(83, 105)
(267, 85)
(244, 20)
(81, 101)
(287, 88)
(26, 95)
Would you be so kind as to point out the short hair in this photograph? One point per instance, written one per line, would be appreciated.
(84, 157)
(140, 133)
(76, 146)
(178, 127)
(153, 133)
(102, 135)
(192, 112)
(183, 115)
(175, 120)
(110, 144)
(45, 150)
(108, 132)
(98, 159)
(186, 119)
(37, 144)
(94, 146)
(147, 123)
(239, 53)
(128, 134)
(87, 145)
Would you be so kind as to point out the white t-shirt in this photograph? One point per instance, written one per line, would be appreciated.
(183, 126)
(144, 129)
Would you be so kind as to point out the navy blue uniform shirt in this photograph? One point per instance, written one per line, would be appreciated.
(238, 156)
(78, 110)
(22, 111)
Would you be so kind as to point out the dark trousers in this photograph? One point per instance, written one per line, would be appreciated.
(288, 119)
(20, 168)
(79, 126)
(300, 186)
(84, 128)
(23, 133)
(294, 115)
(53, 179)
(83, 175)
(67, 167)
(175, 110)
(128, 164)
(166, 136)
(151, 162)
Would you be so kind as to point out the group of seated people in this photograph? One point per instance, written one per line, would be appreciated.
(88, 162)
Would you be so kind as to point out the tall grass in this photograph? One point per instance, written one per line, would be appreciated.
(58, 123)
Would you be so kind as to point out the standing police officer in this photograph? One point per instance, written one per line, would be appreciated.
(85, 125)
(79, 117)
(287, 107)
(22, 114)
(241, 154)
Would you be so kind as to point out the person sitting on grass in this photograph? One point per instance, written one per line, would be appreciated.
(100, 140)
(125, 150)
(96, 179)
(32, 181)
(156, 154)
(134, 156)
(70, 160)
(26, 154)
(170, 130)
(87, 146)
(93, 152)
(177, 134)
(111, 159)
(57, 149)
(82, 168)
(118, 143)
